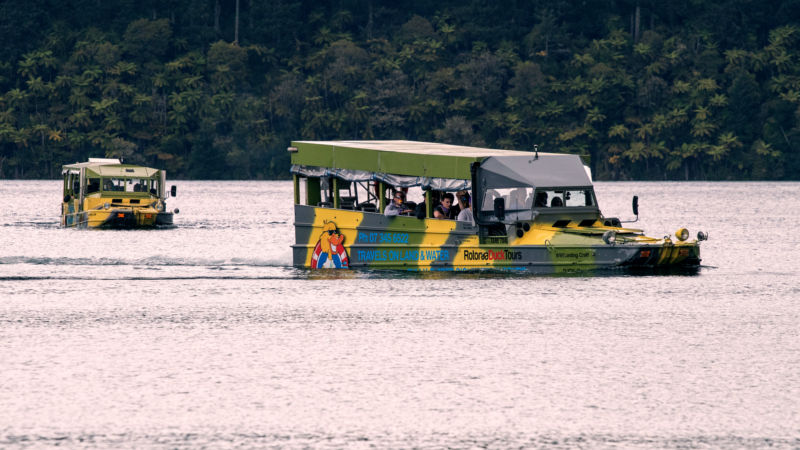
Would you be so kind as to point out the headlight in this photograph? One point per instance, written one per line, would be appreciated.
(610, 237)
(701, 236)
(682, 234)
(106, 205)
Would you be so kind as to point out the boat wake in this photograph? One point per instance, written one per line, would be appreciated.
(33, 224)
(168, 278)
(152, 261)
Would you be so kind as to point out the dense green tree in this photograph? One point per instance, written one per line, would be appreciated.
(641, 89)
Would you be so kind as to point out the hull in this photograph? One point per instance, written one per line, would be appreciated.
(118, 218)
(329, 238)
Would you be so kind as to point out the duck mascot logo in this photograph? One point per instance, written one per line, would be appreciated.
(329, 252)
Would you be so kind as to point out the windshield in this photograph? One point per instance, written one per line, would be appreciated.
(517, 201)
(520, 202)
(143, 185)
(564, 198)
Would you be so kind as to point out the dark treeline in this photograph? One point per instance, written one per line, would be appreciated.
(684, 89)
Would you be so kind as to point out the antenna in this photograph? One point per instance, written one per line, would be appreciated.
(536, 149)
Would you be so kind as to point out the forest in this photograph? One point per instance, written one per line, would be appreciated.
(217, 89)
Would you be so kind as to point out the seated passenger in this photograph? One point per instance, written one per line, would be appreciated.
(556, 202)
(466, 210)
(397, 207)
(516, 199)
(541, 200)
(488, 199)
(444, 209)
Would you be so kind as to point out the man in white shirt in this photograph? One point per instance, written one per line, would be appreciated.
(466, 208)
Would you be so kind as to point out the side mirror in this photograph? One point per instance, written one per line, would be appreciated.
(173, 191)
(635, 205)
(500, 208)
(67, 198)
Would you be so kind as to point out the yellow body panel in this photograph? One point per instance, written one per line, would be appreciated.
(95, 215)
(431, 244)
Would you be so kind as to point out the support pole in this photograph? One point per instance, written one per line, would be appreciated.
(428, 204)
(296, 180)
(382, 196)
(336, 201)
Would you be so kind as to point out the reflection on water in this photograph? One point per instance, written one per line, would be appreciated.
(203, 336)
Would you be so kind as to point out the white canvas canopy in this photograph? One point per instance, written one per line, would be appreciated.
(546, 171)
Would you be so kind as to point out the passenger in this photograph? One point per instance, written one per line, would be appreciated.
(517, 199)
(466, 209)
(541, 200)
(556, 202)
(108, 185)
(488, 199)
(397, 207)
(444, 210)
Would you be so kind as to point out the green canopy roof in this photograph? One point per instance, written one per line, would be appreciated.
(423, 159)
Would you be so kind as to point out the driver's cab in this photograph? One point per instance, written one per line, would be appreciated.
(517, 192)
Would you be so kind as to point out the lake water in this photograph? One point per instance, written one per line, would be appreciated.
(204, 336)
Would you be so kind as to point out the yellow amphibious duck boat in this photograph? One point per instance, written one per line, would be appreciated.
(105, 193)
(531, 211)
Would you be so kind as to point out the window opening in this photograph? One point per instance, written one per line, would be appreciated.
(564, 198)
(93, 185)
(138, 185)
(348, 197)
(518, 202)
(367, 200)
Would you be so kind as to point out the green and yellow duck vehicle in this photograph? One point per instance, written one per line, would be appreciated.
(530, 211)
(105, 193)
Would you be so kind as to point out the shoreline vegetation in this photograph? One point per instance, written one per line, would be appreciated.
(217, 89)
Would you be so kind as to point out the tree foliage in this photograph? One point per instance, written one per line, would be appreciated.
(686, 89)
